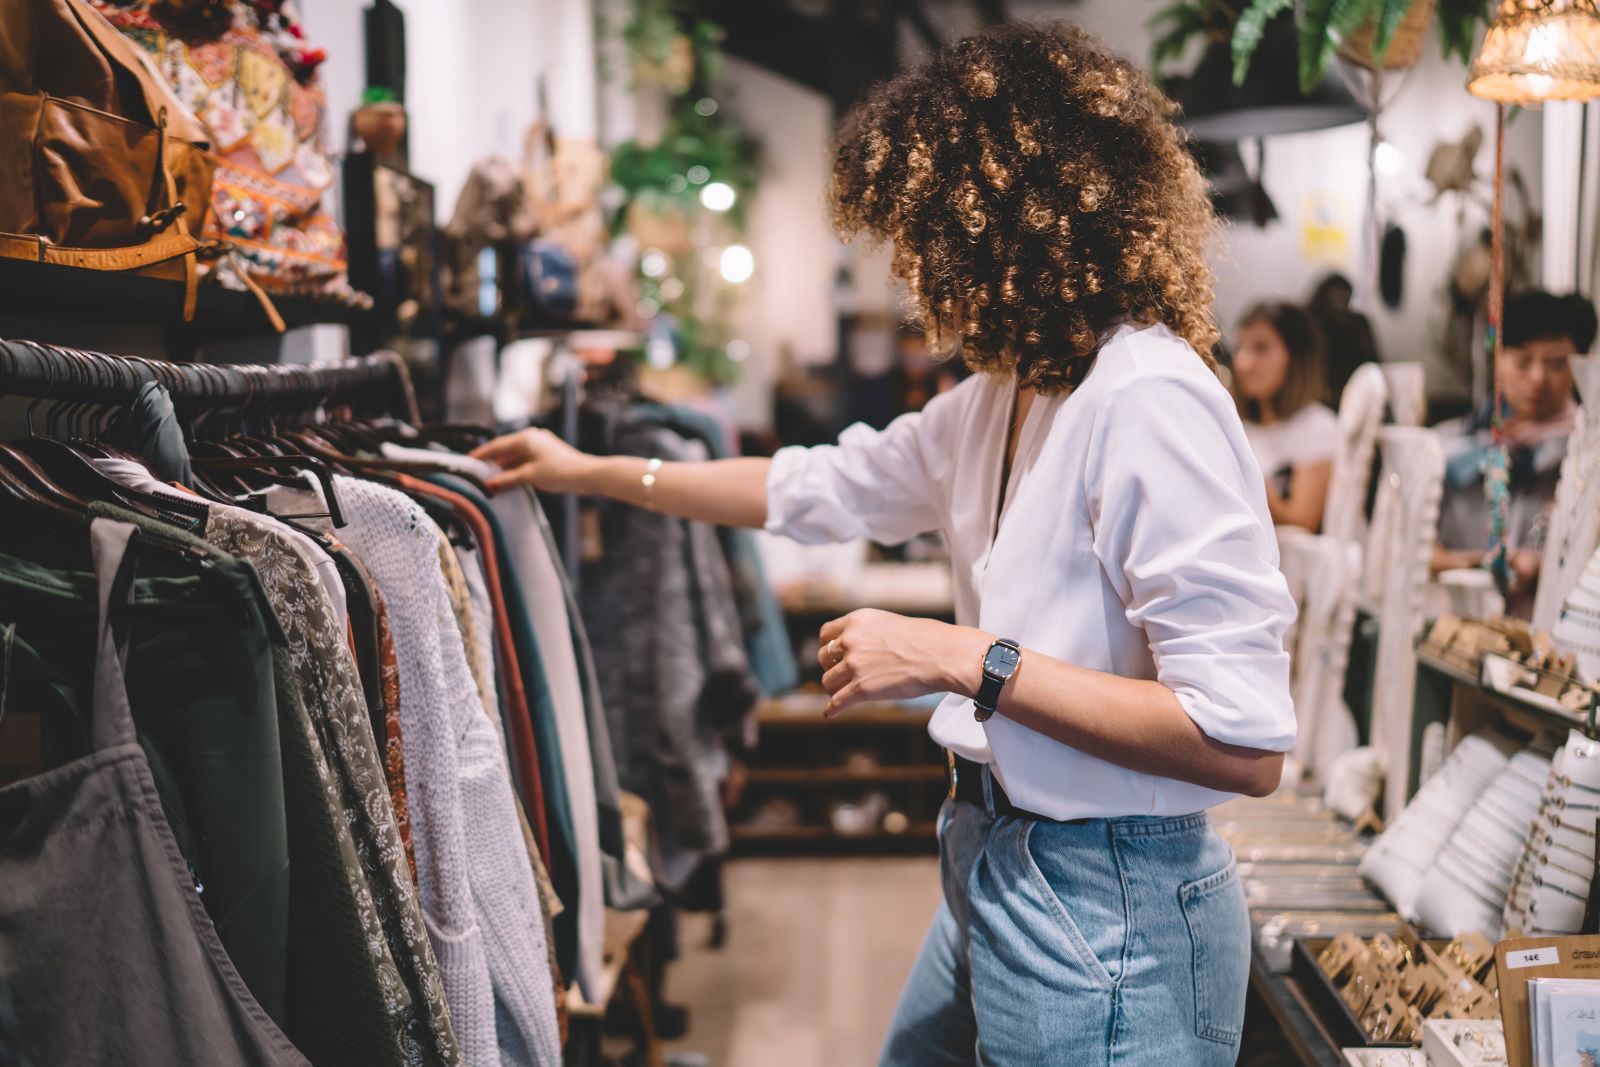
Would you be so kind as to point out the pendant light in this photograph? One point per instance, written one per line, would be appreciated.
(1538, 50)
(1270, 101)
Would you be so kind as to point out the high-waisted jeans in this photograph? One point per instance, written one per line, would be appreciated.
(1110, 941)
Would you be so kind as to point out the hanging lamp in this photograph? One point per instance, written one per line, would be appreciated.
(1538, 50)
(1270, 102)
(1535, 50)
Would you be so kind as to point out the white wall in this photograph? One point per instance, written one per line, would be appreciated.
(789, 308)
(473, 68)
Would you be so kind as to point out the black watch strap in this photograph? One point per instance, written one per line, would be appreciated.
(988, 697)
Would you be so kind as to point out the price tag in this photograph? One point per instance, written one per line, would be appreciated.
(1533, 957)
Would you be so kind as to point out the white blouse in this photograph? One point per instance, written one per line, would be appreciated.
(1133, 538)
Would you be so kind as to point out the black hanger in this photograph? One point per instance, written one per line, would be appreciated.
(65, 464)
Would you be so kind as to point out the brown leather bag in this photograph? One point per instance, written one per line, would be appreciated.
(100, 165)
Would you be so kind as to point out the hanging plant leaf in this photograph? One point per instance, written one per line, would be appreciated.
(1390, 15)
(1323, 23)
(1458, 26)
(1248, 30)
(1173, 28)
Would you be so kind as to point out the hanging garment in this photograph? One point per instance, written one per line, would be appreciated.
(479, 896)
(148, 427)
(480, 572)
(373, 645)
(202, 691)
(481, 611)
(539, 721)
(325, 673)
(658, 608)
(541, 579)
(95, 901)
(321, 680)
(766, 631)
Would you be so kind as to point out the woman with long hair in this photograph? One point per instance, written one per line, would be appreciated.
(1117, 663)
(1278, 384)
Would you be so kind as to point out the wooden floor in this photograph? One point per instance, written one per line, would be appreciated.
(817, 950)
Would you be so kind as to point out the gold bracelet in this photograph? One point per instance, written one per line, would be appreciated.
(649, 482)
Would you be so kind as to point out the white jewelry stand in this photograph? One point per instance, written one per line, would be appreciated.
(1408, 397)
(1405, 524)
(1361, 408)
(1322, 573)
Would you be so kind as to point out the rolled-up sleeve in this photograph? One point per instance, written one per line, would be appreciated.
(882, 485)
(1180, 524)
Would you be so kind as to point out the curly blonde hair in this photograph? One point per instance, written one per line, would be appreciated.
(1035, 192)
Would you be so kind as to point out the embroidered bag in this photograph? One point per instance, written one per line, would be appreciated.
(252, 83)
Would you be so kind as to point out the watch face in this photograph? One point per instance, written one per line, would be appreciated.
(1001, 661)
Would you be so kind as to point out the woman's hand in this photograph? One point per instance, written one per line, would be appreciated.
(538, 458)
(877, 655)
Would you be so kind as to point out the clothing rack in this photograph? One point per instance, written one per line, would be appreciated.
(575, 363)
(50, 372)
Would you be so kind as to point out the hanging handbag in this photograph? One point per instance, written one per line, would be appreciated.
(101, 166)
(265, 121)
(548, 276)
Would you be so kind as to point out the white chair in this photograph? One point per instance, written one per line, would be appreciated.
(1361, 408)
(1323, 573)
(1405, 524)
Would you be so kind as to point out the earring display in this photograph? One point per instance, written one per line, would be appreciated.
(1464, 1043)
(1384, 1057)
(1381, 991)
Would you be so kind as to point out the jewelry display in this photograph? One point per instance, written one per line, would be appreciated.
(1464, 1043)
(1403, 856)
(1550, 886)
(1392, 984)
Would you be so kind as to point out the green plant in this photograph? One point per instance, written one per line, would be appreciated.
(1324, 24)
(377, 94)
(701, 144)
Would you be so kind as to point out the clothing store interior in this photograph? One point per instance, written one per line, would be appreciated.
(529, 529)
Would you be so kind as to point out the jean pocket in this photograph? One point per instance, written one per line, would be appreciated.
(1219, 934)
(1050, 895)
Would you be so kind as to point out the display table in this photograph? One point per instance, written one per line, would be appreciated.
(1281, 993)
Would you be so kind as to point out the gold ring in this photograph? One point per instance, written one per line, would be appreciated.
(833, 650)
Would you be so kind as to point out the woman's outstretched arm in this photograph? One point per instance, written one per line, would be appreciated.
(731, 492)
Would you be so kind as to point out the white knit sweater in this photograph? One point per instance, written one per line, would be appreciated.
(537, 570)
(478, 893)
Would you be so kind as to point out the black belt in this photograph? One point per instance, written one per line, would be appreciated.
(966, 785)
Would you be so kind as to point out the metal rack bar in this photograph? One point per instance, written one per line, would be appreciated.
(49, 372)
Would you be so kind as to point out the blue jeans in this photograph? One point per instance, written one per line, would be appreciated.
(1112, 941)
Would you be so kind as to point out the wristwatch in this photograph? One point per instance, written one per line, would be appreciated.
(1000, 662)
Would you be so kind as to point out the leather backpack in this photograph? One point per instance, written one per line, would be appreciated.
(101, 166)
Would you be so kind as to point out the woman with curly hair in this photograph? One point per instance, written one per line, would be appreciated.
(1117, 664)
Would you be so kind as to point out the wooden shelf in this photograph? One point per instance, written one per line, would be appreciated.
(1308, 1037)
(788, 712)
(30, 290)
(1525, 714)
(807, 834)
(836, 776)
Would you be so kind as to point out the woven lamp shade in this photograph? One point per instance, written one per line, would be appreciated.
(1539, 50)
